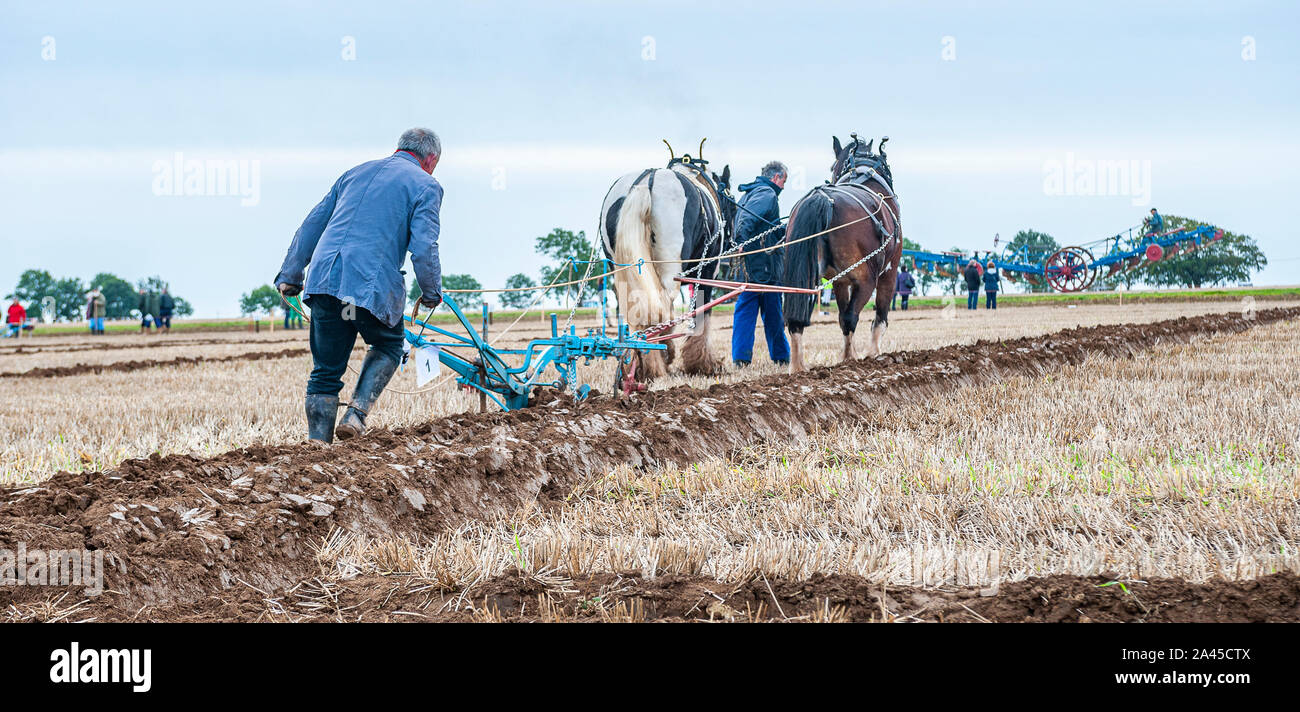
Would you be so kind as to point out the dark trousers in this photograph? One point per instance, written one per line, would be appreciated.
(334, 329)
(748, 304)
(973, 299)
(991, 300)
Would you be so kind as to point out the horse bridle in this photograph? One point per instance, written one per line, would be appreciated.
(859, 155)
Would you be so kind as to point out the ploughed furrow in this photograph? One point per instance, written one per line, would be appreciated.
(119, 366)
(177, 530)
(134, 343)
(631, 597)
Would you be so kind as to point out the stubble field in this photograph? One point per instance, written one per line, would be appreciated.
(950, 484)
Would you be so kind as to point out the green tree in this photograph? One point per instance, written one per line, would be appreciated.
(1233, 258)
(1032, 247)
(518, 300)
(152, 284)
(33, 285)
(263, 300)
(70, 293)
(119, 296)
(465, 300)
(182, 307)
(570, 252)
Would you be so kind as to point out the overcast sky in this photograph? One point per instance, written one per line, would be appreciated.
(540, 107)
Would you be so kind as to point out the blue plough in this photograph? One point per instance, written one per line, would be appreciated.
(481, 366)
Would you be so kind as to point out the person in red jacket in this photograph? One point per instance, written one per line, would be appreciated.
(16, 318)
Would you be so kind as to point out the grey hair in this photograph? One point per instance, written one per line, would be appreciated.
(421, 142)
(774, 169)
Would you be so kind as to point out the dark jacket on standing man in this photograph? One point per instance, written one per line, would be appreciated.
(759, 211)
(991, 281)
(905, 284)
(972, 278)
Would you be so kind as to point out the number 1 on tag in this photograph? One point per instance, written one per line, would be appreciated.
(426, 364)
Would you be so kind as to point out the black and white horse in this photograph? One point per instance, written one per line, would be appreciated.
(667, 216)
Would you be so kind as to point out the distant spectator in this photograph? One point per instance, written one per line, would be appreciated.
(148, 305)
(992, 282)
(972, 275)
(1155, 223)
(904, 286)
(140, 306)
(166, 305)
(16, 317)
(96, 309)
(293, 312)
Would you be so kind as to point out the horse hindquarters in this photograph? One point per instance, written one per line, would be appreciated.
(802, 267)
(640, 293)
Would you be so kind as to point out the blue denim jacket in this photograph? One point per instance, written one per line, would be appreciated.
(357, 237)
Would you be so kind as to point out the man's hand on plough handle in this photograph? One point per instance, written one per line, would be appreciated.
(430, 303)
(289, 290)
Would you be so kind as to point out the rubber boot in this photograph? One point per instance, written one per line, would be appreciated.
(376, 371)
(321, 412)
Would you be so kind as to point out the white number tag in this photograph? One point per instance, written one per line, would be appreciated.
(426, 364)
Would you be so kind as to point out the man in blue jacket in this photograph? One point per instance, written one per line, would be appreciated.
(356, 240)
(760, 212)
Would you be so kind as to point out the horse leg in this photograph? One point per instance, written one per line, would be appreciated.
(885, 286)
(878, 328)
(647, 309)
(796, 350)
(843, 291)
(696, 357)
(849, 317)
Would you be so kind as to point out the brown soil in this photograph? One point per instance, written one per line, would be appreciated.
(629, 596)
(159, 342)
(82, 369)
(182, 530)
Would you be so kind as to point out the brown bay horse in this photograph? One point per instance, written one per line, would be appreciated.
(858, 213)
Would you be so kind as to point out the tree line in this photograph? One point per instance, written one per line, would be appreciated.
(567, 252)
(69, 294)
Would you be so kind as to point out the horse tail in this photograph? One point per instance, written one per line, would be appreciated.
(638, 288)
(803, 257)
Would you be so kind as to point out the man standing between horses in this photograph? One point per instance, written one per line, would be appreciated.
(759, 212)
(356, 240)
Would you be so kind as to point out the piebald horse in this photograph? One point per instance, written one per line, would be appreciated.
(860, 202)
(667, 215)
